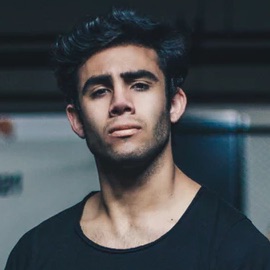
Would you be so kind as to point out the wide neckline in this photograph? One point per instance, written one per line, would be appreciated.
(141, 247)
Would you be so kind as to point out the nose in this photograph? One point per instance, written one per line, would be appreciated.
(121, 103)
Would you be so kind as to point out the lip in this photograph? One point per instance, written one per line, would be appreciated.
(124, 130)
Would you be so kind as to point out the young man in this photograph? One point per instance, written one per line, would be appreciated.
(122, 76)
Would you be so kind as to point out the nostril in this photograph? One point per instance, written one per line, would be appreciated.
(119, 109)
(114, 111)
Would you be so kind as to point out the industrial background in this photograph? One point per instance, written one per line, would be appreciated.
(223, 141)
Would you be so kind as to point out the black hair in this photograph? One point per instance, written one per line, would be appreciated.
(120, 27)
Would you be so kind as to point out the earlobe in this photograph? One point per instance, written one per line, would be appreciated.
(178, 105)
(75, 120)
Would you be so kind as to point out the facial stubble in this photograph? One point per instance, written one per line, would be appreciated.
(143, 156)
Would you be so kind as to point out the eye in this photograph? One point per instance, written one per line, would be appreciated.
(140, 86)
(99, 92)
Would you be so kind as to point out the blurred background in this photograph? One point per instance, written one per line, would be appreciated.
(223, 140)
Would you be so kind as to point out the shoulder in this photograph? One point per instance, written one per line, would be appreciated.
(215, 212)
(57, 224)
(243, 247)
(46, 238)
(237, 243)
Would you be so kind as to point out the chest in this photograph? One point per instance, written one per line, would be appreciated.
(164, 254)
(130, 237)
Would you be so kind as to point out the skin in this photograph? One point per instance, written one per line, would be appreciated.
(126, 125)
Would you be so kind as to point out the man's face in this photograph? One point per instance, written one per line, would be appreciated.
(123, 105)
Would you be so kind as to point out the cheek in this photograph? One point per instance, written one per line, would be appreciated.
(95, 113)
(156, 117)
(156, 100)
(156, 105)
(92, 122)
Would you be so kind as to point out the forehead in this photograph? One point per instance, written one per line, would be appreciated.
(116, 60)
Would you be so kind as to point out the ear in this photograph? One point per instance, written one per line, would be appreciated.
(178, 105)
(75, 120)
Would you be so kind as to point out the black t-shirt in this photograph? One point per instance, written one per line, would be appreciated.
(210, 235)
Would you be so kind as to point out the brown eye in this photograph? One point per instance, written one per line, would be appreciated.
(99, 93)
(140, 86)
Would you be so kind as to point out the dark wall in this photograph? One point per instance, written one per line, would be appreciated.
(230, 60)
(55, 16)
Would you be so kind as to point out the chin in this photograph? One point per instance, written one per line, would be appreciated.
(134, 157)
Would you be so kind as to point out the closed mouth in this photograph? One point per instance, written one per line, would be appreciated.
(124, 130)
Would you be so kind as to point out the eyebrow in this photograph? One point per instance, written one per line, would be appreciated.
(142, 73)
(94, 80)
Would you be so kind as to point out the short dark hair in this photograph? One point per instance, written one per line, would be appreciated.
(120, 27)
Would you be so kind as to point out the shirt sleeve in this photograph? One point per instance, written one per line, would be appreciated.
(243, 248)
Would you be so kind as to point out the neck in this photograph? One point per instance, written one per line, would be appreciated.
(131, 189)
(138, 205)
